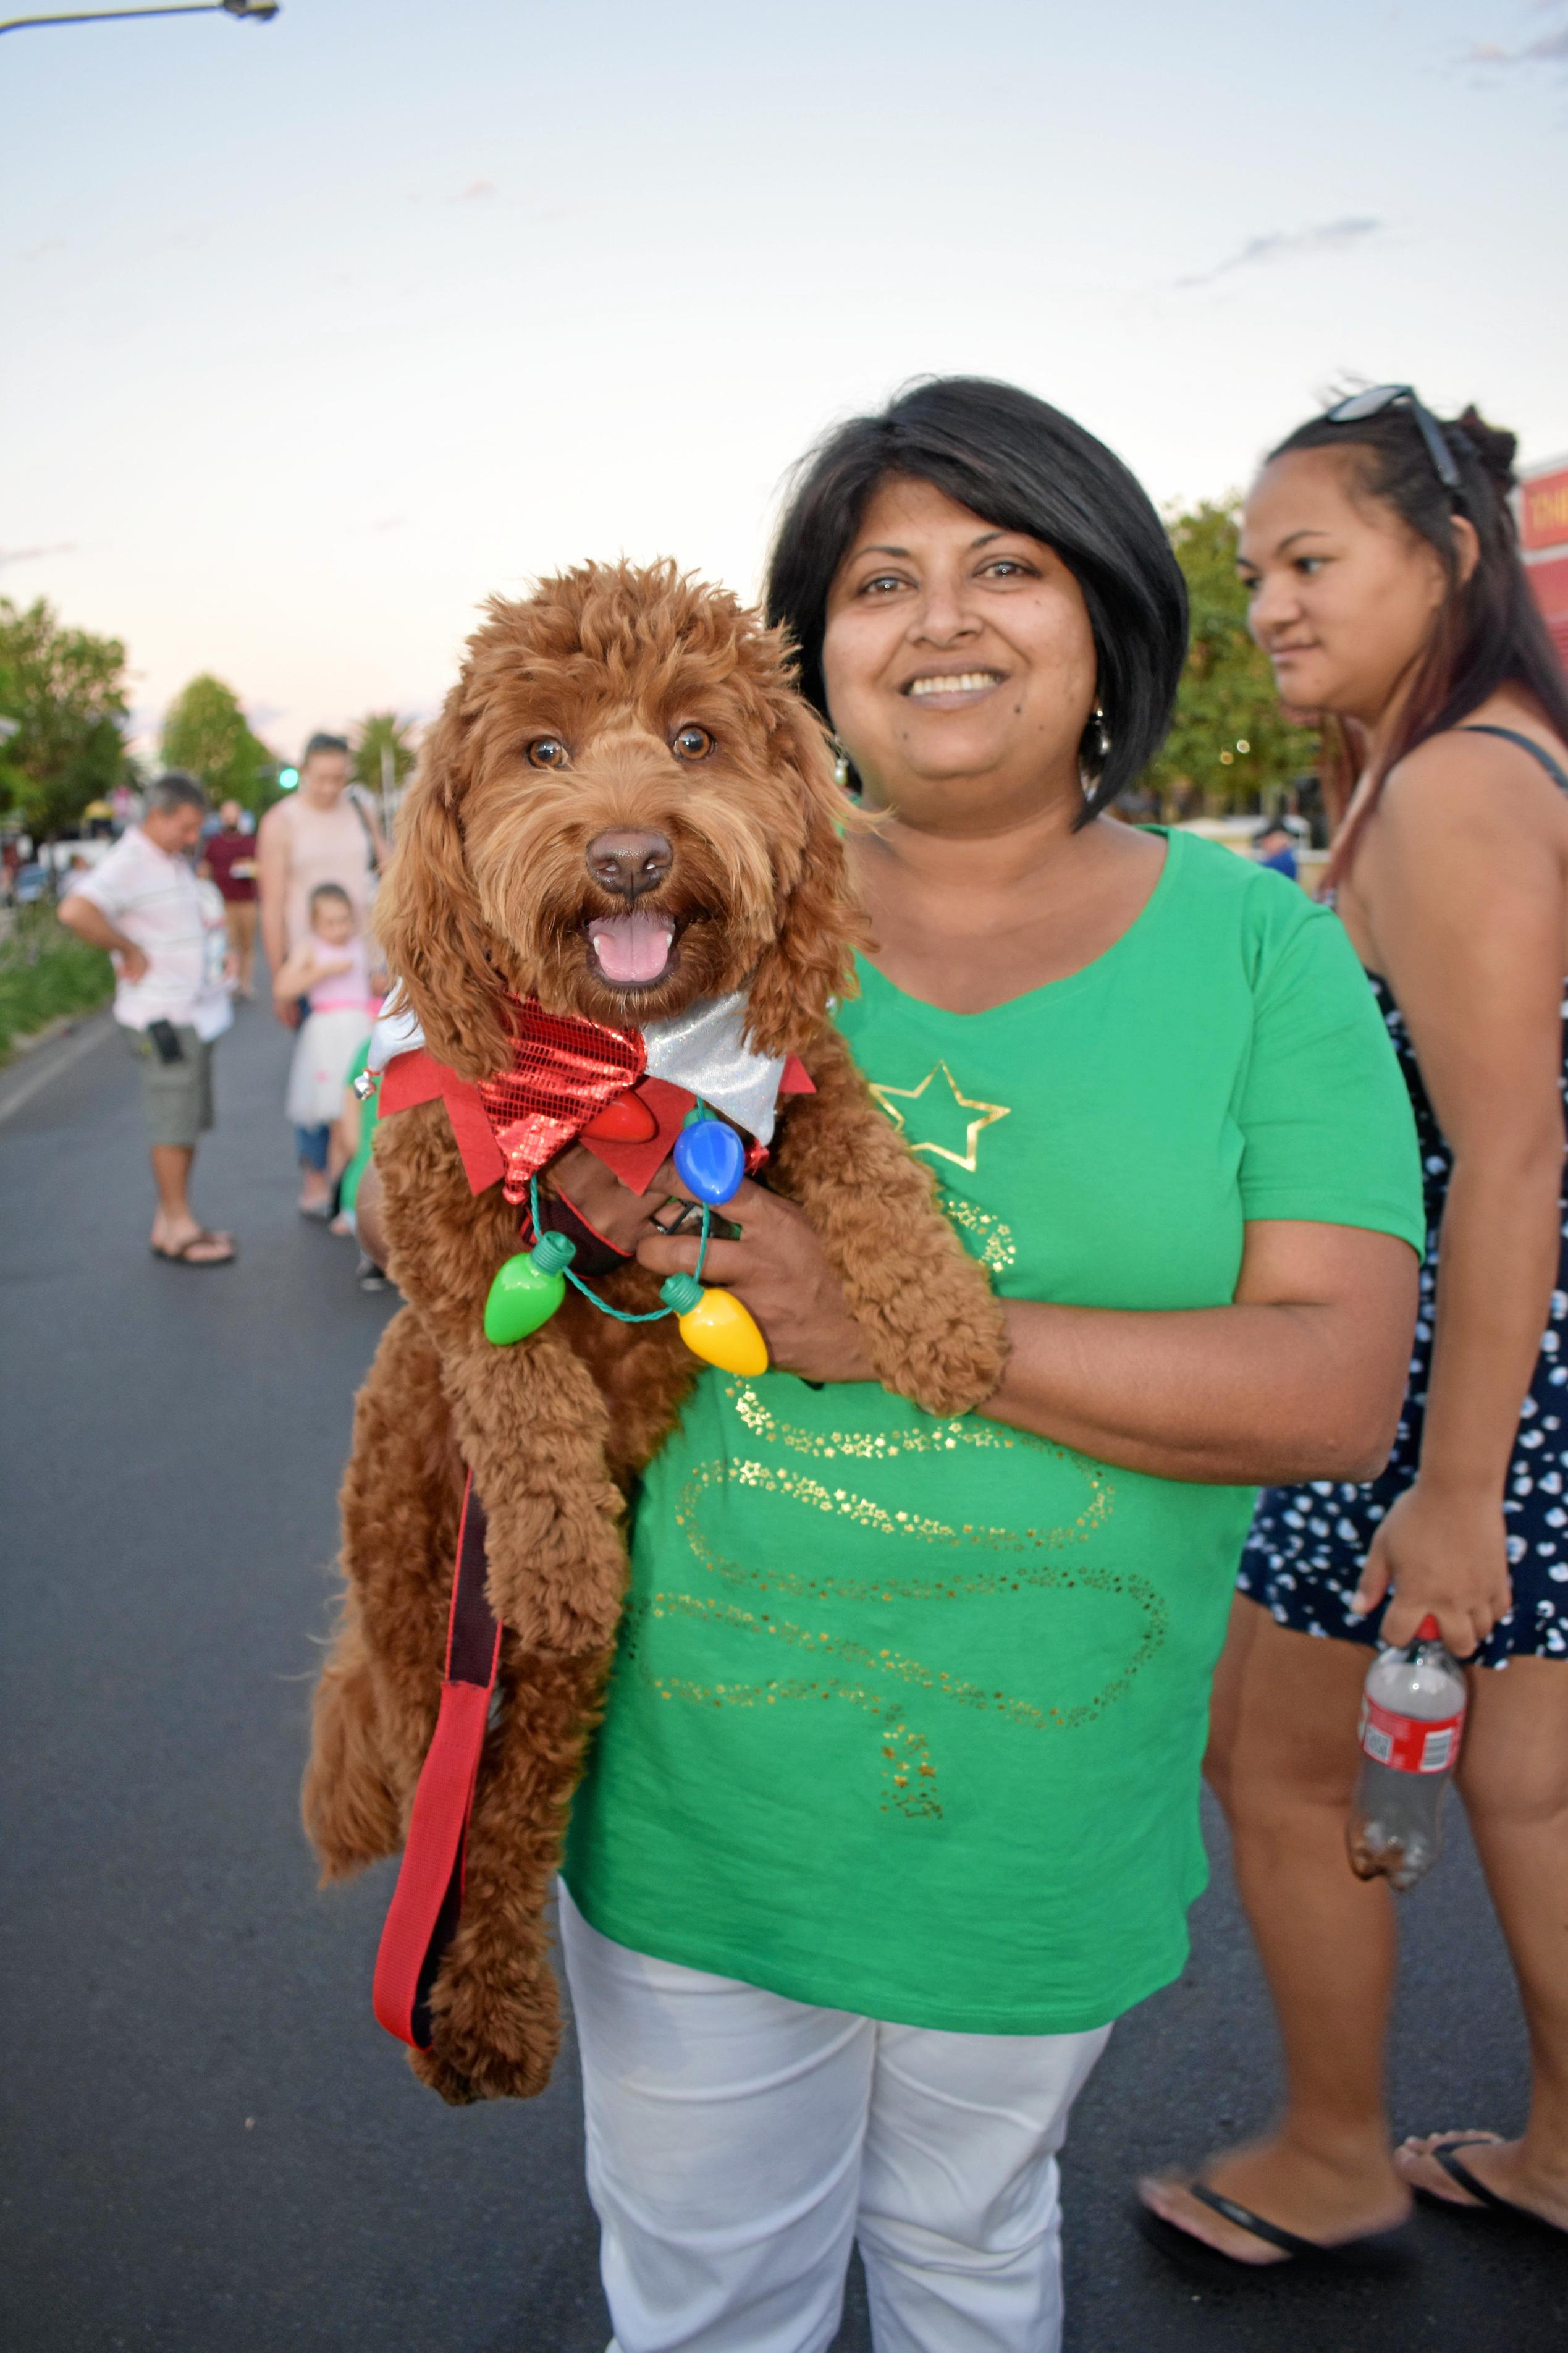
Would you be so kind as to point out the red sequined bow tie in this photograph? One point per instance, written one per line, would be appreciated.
(564, 1071)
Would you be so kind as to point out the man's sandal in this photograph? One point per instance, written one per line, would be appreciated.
(181, 1257)
(1379, 2253)
(1453, 2164)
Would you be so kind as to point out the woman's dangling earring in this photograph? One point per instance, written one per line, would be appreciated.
(840, 765)
(1093, 752)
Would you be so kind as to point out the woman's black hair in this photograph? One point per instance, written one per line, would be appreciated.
(1488, 631)
(1021, 466)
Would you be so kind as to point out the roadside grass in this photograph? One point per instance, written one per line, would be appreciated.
(44, 973)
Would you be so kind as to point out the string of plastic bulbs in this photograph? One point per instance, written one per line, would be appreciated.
(528, 1289)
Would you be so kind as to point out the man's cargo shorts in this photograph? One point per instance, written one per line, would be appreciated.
(176, 1097)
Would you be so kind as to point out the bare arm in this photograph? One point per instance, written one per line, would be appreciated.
(87, 919)
(272, 891)
(1466, 893)
(309, 964)
(1301, 1377)
(296, 973)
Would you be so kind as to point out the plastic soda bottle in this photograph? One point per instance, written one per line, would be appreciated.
(1412, 1714)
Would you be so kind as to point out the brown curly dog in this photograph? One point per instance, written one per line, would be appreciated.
(623, 760)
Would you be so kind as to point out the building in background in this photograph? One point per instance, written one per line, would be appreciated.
(1543, 535)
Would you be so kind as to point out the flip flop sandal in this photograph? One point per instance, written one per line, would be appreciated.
(181, 1257)
(1454, 2166)
(1380, 2254)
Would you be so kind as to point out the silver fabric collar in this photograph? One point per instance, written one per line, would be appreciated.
(703, 1050)
(396, 1031)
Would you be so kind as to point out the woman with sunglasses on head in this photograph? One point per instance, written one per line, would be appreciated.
(1387, 586)
(894, 1806)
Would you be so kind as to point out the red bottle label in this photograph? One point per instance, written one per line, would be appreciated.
(1405, 1746)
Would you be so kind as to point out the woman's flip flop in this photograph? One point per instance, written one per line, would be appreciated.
(1380, 2252)
(181, 1257)
(1453, 2164)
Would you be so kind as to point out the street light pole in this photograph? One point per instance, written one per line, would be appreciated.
(262, 10)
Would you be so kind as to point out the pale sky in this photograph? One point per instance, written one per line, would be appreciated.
(318, 331)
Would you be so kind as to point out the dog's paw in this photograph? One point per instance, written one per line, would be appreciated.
(349, 1815)
(463, 2073)
(943, 1347)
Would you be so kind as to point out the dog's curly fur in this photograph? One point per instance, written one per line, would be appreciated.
(491, 892)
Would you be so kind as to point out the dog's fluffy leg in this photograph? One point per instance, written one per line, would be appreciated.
(376, 1700)
(931, 1326)
(495, 2010)
(530, 1420)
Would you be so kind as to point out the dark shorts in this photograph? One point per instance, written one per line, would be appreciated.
(176, 1097)
(1304, 1558)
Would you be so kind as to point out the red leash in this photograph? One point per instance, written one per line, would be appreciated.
(428, 1897)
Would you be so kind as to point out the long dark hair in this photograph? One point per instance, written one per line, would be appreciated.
(1488, 631)
(1021, 466)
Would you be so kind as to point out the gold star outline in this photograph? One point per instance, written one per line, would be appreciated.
(986, 1115)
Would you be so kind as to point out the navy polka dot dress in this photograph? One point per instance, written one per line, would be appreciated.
(1303, 1558)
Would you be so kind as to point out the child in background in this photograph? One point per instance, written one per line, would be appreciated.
(331, 969)
(354, 1133)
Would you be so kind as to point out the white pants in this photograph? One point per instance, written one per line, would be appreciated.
(739, 2144)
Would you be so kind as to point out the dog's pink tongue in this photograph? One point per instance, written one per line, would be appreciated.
(631, 947)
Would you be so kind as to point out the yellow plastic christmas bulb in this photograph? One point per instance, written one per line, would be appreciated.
(715, 1326)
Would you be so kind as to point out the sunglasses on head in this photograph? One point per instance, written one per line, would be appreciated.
(1360, 405)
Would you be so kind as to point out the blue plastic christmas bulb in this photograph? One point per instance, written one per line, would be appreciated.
(710, 1161)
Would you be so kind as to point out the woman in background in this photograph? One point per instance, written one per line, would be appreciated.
(1379, 552)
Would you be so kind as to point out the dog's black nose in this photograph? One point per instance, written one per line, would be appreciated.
(629, 864)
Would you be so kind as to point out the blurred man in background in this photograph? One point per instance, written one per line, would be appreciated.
(228, 859)
(143, 905)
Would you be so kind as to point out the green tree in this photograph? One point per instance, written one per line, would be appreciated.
(206, 734)
(381, 732)
(1230, 742)
(66, 691)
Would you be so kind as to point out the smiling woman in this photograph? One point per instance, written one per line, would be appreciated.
(1386, 584)
(894, 1806)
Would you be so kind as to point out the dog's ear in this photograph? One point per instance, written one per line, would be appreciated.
(819, 924)
(427, 914)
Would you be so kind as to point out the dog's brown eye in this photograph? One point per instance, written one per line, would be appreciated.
(547, 752)
(692, 743)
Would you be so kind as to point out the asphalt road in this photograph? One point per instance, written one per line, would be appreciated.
(209, 2146)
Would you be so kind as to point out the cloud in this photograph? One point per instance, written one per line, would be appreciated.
(1547, 49)
(35, 554)
(1285, 244)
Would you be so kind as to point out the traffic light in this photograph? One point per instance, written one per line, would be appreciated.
(287, 779)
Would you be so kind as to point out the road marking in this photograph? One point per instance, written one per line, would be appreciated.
(93, 1035)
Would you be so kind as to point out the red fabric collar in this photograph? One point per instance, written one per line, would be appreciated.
(563, 1072)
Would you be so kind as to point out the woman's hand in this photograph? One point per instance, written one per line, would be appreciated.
(1444, 1555)
(602, 1201)
(780, 1271)
(777, 1270)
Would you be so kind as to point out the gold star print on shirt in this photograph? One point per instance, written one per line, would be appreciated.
(938, 1116)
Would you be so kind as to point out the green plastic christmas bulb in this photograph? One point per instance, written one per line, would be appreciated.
(527, 1290)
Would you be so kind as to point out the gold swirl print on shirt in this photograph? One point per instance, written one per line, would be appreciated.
(972, 1561)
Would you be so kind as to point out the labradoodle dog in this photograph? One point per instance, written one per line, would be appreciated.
(626, 815)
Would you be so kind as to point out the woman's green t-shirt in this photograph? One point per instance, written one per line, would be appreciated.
(907, 1715)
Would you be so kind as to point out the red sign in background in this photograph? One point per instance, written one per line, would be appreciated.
(1543, 510)
(1543, 531)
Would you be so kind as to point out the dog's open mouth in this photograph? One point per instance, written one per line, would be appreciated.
(631, 951)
